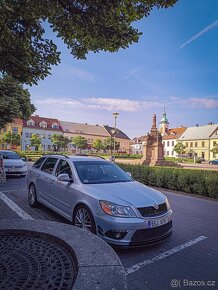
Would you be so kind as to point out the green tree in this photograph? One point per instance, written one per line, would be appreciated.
(109, 144)
(35, 141)
(14, 139)
(215, 149)
(14, 101)
(97, 145)
(60, 141)
(79, 142)
(27, 54)
(179, 148)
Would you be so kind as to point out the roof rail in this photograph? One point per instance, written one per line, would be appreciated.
(57, 155)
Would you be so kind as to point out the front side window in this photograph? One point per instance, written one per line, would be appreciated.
(39, 162)
(63, 168)
(49, 165)
(91, 172)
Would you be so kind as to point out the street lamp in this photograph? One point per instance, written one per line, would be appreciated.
(115, 128)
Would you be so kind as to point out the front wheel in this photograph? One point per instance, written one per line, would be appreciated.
(32, 196)
(83, 219)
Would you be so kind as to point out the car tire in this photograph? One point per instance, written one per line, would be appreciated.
(32, 196)
(83, 219)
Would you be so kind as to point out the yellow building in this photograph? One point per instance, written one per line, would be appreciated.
(198, 140)
(213, 143)
(16, 127)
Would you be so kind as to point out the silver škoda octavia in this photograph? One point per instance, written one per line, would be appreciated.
(98, 196)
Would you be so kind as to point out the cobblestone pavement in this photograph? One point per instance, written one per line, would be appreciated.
(188, 260)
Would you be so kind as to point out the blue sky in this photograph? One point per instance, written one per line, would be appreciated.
(174, 65)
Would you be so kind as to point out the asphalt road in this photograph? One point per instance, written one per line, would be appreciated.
(188, 260)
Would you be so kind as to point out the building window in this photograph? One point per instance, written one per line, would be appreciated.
(214, 143)
(30, 123)
(191, 144)
(4, 130)
(172, 153)
(43, 124)
(172, 143)
(27, 135)
(186, 144)
(15, 130)
(168, 153)
(203, 144)
(55, 126)
(214, 155)
(163, 143)
(196, 144)
(168, 143)
(49, 136)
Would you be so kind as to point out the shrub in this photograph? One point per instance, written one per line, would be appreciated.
(200, 182)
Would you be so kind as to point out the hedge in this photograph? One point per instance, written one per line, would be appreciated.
(199, 182)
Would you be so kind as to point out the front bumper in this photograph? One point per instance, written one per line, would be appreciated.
(137, 230)
(16, 172)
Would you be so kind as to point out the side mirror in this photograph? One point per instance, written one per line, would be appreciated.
(64, 177)
(23, 158)
(129, 173)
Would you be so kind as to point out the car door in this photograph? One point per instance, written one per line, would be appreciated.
(44, 181)
(64, 192)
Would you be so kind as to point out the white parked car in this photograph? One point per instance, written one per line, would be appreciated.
(13, 163)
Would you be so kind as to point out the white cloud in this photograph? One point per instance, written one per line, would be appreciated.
(203, 103)
(108, 104)
(199, 34)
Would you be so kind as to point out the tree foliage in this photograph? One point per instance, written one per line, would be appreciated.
(179, 148)
(14, 139)
(79, 142)
(14, 101)
(60, 141)
(26, 53)
(35, 141)
(97, 145)
(215, 149)
(109, 144)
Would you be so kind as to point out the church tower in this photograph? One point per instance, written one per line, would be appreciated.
(164, 124)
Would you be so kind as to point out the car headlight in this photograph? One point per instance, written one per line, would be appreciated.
(167, 204)
(116, 210)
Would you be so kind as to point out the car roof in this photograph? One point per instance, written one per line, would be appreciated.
(77, 158)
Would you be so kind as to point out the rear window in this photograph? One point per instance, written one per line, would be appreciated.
(39, 162)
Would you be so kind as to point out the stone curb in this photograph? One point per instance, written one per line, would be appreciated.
(99, 267)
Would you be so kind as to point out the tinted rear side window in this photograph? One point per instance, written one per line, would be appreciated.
(49, 165)
(39, 162)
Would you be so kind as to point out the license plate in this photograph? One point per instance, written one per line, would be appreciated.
(158, 222)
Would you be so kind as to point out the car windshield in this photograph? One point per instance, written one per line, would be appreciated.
(9, 155)
(94, 172)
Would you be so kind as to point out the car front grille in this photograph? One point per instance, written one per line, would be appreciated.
(151, 211)
(149, 234)
(13, 166)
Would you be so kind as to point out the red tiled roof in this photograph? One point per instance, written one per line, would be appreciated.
(174, 133)
(38, 120)
(17, 121)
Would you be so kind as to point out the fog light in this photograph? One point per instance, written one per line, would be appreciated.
(116, 234)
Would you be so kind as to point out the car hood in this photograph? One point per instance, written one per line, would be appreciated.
(14, 162)
(126, 193)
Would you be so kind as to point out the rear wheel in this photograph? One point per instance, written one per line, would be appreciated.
(32, 196)
(83, 219)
